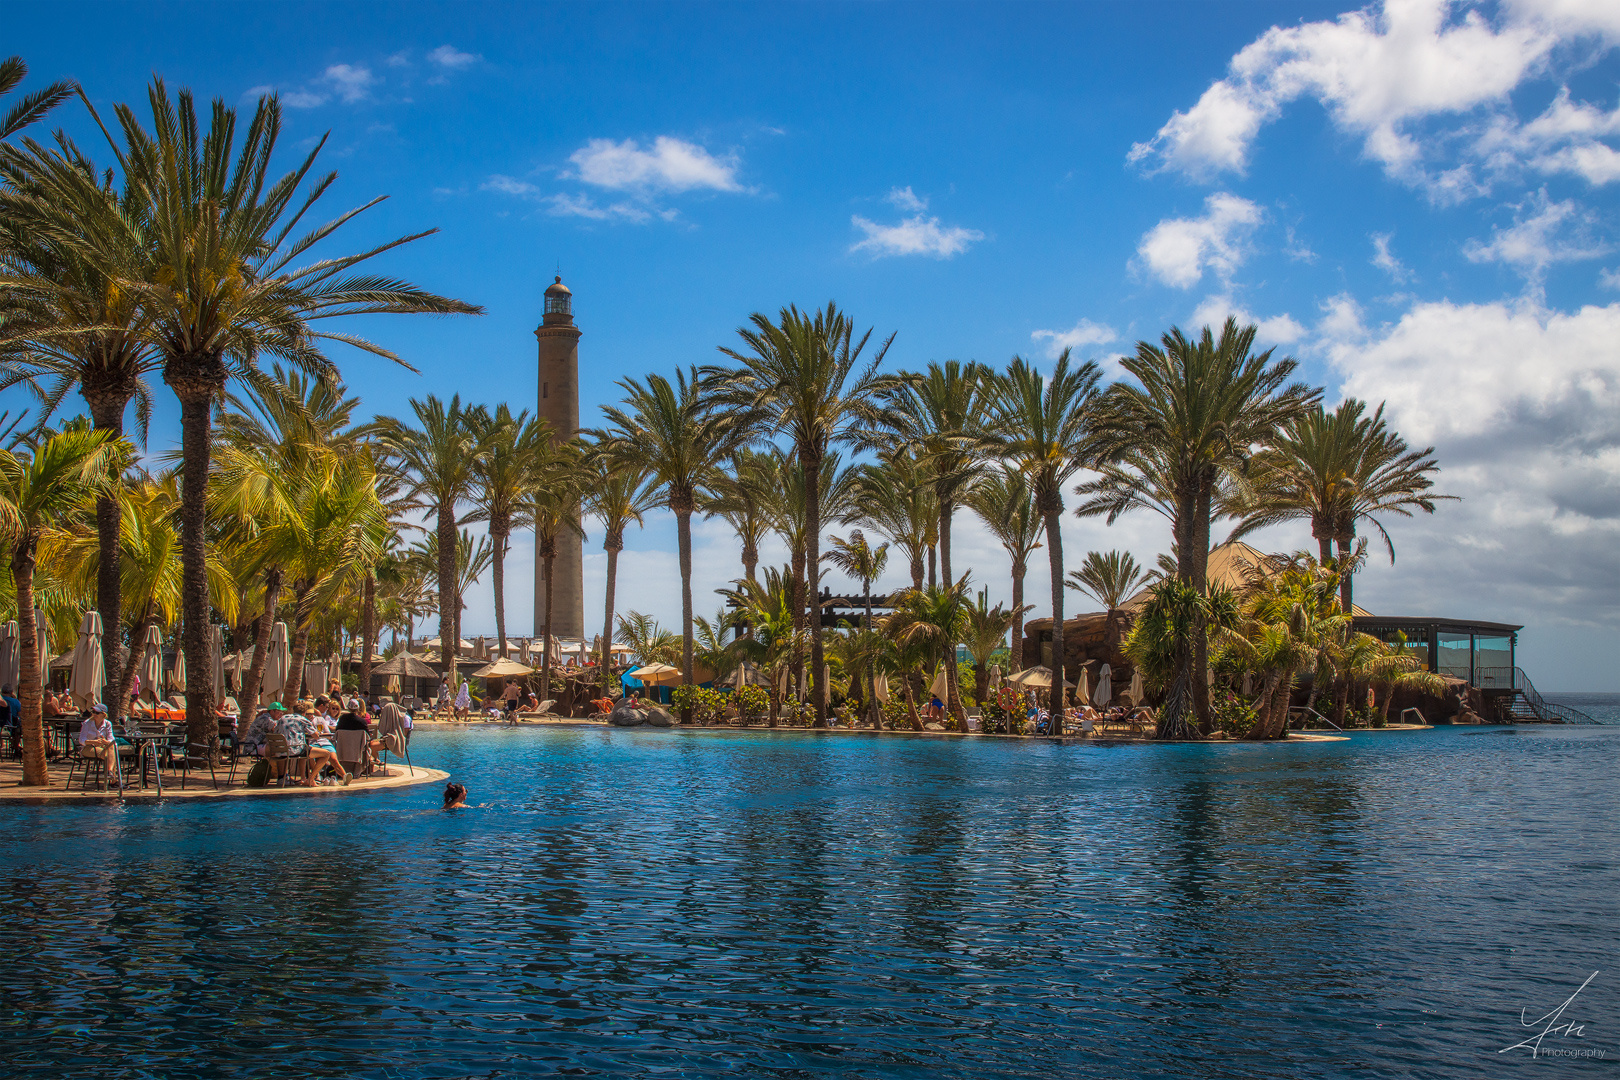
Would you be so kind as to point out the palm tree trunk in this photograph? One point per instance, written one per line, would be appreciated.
(295, 663)
(1054, 554)
(874, 710)
(29, 684)
(261, 645)
(607, 616)
(953, 692)
(1200, 673)
(796, 659)
(545, 648)
(107, 405)
(1346, 589)
(1018, 570)
(917, 569)
(499, 566)
(750, 560)
(196, 381)
(368, 632)
(911, 708)
(683, 532)
(1263, 704)
(1324, 547)
(933, 582)
(812, 558)
(449, 598)
(126, 678)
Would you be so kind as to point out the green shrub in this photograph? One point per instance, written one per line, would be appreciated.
(707, 705)
(752, 702)
(1234, 715)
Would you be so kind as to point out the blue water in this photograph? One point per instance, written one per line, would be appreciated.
(657, 903)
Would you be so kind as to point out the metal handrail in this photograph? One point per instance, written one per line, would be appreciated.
(1313, 712)
(1515, 679)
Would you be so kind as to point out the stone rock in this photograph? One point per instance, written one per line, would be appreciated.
(625, 716)
(658, 717)
(931, 726)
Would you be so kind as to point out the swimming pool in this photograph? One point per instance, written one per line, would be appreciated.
(799, 905)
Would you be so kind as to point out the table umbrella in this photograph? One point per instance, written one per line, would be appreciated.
(1136, 686)
(393, 685)
(880, 688)
(480, 648)
(995, 676)
(150, 666)
(501, 669)
(1105, 688)
(177, 674)
(315, 674)
(10, 654)
(1084, 694)
(656, 674)
(276, 661)
(939, 687)
(216, 659)
(88, 678)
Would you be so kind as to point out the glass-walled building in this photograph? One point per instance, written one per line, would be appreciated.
(1481, 652)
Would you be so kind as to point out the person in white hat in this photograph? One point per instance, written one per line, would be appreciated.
(96, 735)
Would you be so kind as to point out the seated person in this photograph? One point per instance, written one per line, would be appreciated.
(532, 703)
(602, 704)
(49, 709)
(96, 740)
(319, 751)
(13, 709)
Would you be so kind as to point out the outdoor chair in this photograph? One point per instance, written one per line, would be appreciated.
(396, 741)
(201, 756)
(280, 757)
(353, 751)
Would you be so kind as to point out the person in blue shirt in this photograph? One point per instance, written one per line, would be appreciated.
(13, 717)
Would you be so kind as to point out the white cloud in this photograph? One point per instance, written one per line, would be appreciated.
(915, 235)
(1281, 329)
(670, 165)
(399, 59)
(1543, 232)
(1177, 250)
(1609, 279)
(1083, 333)
(253, 93)
(906, 200)
(1523, 407)
(1296, 249)
(1385, 259)
(447, 56)
(583, 206)
(1385, 72)
(303, 99)
(352, 83)
(507, 185)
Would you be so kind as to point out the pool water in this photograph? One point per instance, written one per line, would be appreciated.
(686, 904)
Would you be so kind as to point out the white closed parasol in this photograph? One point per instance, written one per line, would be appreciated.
(88, 678)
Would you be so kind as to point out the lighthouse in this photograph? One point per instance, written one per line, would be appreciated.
(559, 407)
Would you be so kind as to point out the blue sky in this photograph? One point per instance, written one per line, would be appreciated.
(1417, 200)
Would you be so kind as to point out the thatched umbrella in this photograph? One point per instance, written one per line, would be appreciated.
(407, 666)
(88, 678)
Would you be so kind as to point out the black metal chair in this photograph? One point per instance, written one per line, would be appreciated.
(201, 756)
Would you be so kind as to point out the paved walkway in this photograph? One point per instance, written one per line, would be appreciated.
(199, 785)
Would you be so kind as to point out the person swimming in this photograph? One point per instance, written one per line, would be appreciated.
(455, 796)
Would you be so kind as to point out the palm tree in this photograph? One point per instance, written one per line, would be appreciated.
(1336, 469)
(799, 375)
(1195, 415)
(1042, 427)
(1163, 636)
(683, 440)
(1004, 501)
(985, 631)
(648, 642)
(896, 500)
(1107, 577)
(935, 414)
(862, 561)
(925, 627)
(66, 239)
(150, 574)
(38, 491)
(1293, 617)
(553, 506)
(506, 475)
(775, 639)
(617, 494)
(221, 291)
(742, 498)
(471, 557)
(438, 461)
(32, 105)
(274, 444)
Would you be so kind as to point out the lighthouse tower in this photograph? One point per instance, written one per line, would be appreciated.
(559, 407)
